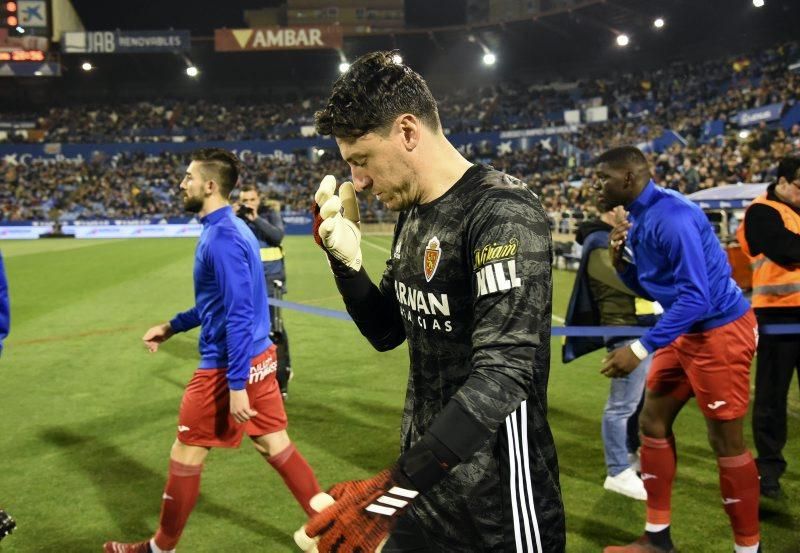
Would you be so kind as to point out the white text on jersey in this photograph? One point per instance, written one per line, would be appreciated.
(492, 278)
(418, 301)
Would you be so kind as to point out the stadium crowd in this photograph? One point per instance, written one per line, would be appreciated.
(683, 98)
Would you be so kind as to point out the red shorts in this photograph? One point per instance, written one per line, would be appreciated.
(205, 418)
(713, 366)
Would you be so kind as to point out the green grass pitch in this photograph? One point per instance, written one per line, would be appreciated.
(87, 417)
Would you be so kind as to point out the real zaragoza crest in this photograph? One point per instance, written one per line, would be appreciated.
(433, 253)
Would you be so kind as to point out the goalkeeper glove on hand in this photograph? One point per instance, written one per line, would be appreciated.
(363, 515)
(337, 225)
(365, 511)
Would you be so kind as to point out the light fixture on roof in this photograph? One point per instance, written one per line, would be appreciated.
(489, 57)
(758, 3)
(658, 23)
(192, 71)
(344, 65)
(623, 40)
(87, 66)
(397, 58)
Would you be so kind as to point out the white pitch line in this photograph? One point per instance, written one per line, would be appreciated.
(376, 246)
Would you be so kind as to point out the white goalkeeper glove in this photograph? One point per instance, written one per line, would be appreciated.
(337, 226)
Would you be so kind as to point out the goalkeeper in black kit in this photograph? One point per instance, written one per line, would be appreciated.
(468, 284)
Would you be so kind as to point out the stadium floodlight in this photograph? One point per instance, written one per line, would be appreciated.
(192, 71)
(397, 58)
(86, 66)
(758, 3)
(658, 23)
(623, 40)
(489, 58)
(343, 67)
(20, 30)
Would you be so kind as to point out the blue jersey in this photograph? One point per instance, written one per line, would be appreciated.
(679, 262)
(230, 297)
(5, 311)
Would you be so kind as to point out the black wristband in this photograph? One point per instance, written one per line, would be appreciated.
(420, 467)
(458, 431)
(432, 457)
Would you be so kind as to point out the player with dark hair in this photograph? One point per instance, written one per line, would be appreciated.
(234, 389)
(704, 343)
(468, 285)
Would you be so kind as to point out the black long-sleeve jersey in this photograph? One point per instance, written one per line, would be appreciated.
(469, 285)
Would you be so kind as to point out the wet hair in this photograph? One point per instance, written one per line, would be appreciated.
(372, 94)
(223, 163)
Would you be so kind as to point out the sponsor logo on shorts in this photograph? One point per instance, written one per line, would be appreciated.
(168, 497)
(717, 404)
(648, 476)
(262, 370)
(729, 500)
(182, 428)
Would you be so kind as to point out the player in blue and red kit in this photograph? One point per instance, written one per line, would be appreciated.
(704, 343)
(5, 310)
(234, 390)
(7, 523)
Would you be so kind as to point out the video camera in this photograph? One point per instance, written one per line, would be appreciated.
(244, 212)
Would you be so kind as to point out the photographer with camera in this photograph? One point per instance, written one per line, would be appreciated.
(265, 221)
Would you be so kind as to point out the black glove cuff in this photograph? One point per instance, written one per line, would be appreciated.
(454, 437)
(352, 285)
(419, 469)
(339, 269)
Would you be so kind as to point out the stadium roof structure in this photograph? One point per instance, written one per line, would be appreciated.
(728, 196)
(569, 40)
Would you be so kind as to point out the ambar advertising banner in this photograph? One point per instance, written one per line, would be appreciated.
(277, 38)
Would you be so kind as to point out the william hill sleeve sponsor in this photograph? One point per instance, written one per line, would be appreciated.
(277, 38)
(496, 267)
